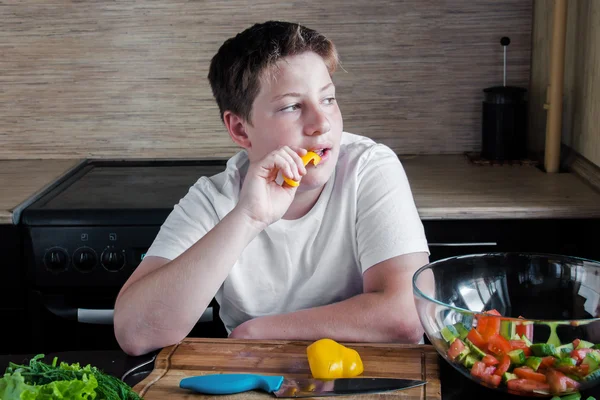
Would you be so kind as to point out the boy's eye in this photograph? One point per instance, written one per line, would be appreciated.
(329, 100)
(292, 107)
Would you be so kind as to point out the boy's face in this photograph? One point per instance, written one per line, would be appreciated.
(297, 107)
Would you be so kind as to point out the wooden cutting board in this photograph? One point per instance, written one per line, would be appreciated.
(200, 356)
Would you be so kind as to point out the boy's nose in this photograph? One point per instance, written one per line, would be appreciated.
(317, 123)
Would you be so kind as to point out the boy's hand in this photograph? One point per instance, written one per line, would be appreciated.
(262, 199)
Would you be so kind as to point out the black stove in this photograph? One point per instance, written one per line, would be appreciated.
(85, 236)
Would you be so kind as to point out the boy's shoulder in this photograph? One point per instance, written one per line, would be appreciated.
(357, 149)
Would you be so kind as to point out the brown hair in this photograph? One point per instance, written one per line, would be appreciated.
(236, 70)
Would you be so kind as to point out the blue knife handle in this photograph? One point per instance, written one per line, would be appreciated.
(231, 383)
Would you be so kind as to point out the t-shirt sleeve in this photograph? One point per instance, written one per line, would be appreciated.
(388, 223)
(189, 220)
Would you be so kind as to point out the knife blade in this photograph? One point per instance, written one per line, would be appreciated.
(293, 388)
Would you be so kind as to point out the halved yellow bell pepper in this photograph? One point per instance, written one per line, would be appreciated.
(330, 360)
(308, 157)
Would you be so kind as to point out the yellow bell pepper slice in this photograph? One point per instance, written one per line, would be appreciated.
(308, 157)
(330, 360)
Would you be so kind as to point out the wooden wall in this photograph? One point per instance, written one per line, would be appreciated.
(581, 97)
(127, 79)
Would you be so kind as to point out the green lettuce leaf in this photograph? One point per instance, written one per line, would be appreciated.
(13, 387)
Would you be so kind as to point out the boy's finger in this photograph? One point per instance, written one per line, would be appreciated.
(286, 164)
(297, 158)
(291, 157)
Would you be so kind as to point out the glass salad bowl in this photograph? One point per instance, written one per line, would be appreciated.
(520, 323)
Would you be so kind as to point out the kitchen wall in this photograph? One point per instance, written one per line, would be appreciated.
(581, 97)
(127, 79)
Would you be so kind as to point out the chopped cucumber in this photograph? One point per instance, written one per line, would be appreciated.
(508, 329)
(533, 362)
(564, 350)
(572, 396)
(476, 351)
(543, 349)
(552, 354)
(595, 356)
(449, 333)
(592, 375)
(592, 360)
(574, 377)
(565, 362)
(469, 360)
(461, 356)
(517, 356)
(584, 344)
(462, 330)
(507, 376)
(527, 342)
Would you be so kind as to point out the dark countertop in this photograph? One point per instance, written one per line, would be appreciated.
(454, 385)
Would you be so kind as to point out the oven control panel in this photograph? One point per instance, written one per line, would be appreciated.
(86, 256)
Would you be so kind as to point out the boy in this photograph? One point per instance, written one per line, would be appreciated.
(333, 257)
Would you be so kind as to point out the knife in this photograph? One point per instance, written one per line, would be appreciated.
(284, 387)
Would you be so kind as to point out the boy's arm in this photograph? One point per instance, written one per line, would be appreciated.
(162, 300)
(385, 312)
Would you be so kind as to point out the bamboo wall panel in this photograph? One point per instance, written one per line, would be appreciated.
(127, 79)
(581, 100)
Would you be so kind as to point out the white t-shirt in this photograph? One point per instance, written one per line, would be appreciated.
(366, 214)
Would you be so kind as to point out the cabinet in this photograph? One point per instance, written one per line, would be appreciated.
(12, 291)
(572, 237)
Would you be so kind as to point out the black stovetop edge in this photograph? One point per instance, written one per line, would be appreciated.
(29, 214)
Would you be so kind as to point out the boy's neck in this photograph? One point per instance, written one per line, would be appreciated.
(303, 203)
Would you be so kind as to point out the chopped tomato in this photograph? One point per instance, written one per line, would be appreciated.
(493, 312)
(581, 370)
(492, 380)
(489, 326)
(489, 370)
(579, 355)
(475, 337)
(525, 329)
(547, 362)
(456, 348)
(526, 385)
(496, 362)
(503, 366)
(528, 373)
(478, 369)
(556, 380)
(520, 344)
(490, 360)
(571, 383)
(497, 344)
(481, 324)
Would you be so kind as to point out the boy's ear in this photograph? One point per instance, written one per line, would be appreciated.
(236, 126)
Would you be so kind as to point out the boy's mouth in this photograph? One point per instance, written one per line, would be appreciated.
(321, 152)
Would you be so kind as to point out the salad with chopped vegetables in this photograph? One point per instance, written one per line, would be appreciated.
(499, 351)
(41, 381)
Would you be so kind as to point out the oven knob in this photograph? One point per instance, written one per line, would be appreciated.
(84, 259)
(56, 259)
(113, 259)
